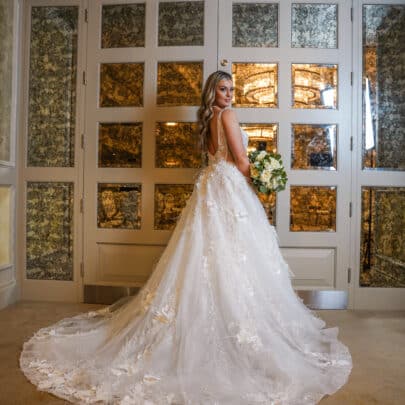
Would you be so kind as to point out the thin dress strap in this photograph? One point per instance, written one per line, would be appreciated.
(222, 144)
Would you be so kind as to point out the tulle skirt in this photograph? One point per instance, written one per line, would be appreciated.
(218, 321)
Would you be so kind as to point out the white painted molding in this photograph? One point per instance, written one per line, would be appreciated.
(8, 293)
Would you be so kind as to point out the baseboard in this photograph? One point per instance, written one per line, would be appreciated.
(8, 293)
(314, 299)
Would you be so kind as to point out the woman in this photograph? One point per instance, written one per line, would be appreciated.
(217, 322)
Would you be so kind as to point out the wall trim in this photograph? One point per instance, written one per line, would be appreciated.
(8, 293)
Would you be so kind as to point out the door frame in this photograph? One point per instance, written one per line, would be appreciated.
(301, 247)
(51, 290)
(371, 298)
(97, 241)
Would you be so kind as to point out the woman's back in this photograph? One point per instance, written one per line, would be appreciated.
(221, 143)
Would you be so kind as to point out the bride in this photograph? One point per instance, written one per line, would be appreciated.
(218, 321)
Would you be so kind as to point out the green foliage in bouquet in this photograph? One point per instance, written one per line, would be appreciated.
(267, 171)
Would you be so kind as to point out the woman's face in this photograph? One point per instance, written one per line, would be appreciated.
(224, 93)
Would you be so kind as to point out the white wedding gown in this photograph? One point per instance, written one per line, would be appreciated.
(218, 321)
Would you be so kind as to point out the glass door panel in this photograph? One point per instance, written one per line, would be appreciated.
(292, 77)
(144, 83)
(51, 168)
(380, 159)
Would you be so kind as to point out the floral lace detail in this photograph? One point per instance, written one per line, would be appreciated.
(246, 334)
(165, 314)
(217, 323)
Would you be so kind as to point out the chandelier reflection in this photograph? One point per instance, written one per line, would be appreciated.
(261, 87)
(306, 86)
(314, 85)
(261, 137)
(255, 84)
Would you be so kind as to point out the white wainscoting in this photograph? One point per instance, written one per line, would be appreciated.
(132, 264)
(8, 286)
(314, 268)
(129, 263)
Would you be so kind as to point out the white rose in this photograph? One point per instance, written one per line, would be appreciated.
(275, 164)
(265, 176)
(261, 155)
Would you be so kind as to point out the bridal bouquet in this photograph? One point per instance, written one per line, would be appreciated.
(267, 171)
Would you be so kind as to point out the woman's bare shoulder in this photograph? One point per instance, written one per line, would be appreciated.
(229, 116)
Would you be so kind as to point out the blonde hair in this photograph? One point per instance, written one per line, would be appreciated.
(205, 112)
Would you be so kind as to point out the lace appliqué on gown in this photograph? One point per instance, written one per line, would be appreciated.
(218, 321)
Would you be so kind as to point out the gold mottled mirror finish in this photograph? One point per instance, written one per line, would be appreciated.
(313, 208)
(121, 84)
(269, 203)
(120, 144)
(383, 112)
(176, 145)
(261, 136)
(123, 25)
(314, 85)
(49, 231)
(255, 25)
(313, 146)
(255, 84)
(382, 250)
(119, 205)
(6, 76)
(179, 83)
(188, 26)
(170, 199)
(52, 86)
(314, 25)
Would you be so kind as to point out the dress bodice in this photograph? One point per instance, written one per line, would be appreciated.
(223, 150)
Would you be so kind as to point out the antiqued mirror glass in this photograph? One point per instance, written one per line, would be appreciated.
(123, 25)
(255, 84)
(382, 250)
(176, 145)
(52, 86)
(121, 84)
(181, 23)
(49, 231)
(6, 76)
(314, 85)
(179, 83)
(269, 203)
(6, 218)
(383, 87)
(255, 25)
(170, 199)
(313, 146)
(314, 25)
(313, 208)
(120, 144)
(263, 137)
(119, 205)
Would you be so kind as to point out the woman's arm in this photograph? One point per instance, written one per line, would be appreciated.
(234, 140)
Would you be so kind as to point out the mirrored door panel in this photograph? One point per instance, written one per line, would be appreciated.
(290, 62)
(147, 61)
(379, 163)
(50, 154)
